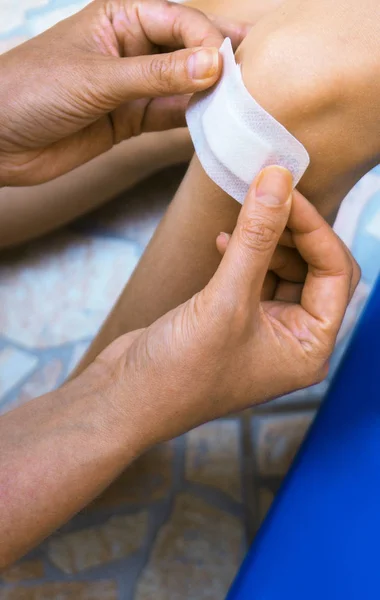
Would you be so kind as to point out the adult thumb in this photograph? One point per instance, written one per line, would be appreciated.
(152, 75)
(261, 222)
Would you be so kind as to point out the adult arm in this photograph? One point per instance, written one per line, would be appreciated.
(220, 352)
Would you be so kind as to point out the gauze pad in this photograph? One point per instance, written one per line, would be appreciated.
(234, 137)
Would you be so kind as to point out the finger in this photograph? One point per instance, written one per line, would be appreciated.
(222, 242)
(288, 292)
(269, 287)
(157, 114)
(327, 287)
(235, 30)
(286, 262)
(270, 282)
(98, 137)
(177, 26)
(261, 222)
(180, 72)
(165, 113)
(356, 271)
(356, 276)
(286, 239)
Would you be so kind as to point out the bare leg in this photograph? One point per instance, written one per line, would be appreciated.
(243, 10)
(27, 213)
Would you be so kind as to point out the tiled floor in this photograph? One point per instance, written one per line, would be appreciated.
(175, 525)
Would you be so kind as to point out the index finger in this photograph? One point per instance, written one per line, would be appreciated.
(326, 291)
(177, 26)
(235, 30)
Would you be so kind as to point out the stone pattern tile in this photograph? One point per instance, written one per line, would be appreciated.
(148, 479)
(42, 381)
(195, 556)
(98, 545)
(266, 497)
(15, 365)
(213, 456)
(277, 439)
(23, 571)
(68, 274)
(73, 590)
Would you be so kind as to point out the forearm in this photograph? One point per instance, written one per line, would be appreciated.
(178, 262)
(56, 454)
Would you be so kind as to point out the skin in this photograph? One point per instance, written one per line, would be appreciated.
(333, 67)
(336, 102)
(28, 213)
(190, 259)
(105, 78)
(334, 72)
(140, 390)
(184, 248)
(56, 119)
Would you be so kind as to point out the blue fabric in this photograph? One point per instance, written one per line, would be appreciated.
(321, 538)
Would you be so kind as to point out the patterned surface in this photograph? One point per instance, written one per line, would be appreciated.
(174, 525)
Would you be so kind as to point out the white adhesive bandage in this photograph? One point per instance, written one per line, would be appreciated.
(234, 137)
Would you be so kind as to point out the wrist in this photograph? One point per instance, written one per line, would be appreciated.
(116, 398)
(106, 404)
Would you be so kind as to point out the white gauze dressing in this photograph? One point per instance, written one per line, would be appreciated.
(234, 137)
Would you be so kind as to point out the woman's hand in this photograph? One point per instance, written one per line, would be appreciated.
(95, 79)
(315, 67)
(225, 349)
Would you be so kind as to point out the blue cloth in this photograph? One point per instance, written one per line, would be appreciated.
(321, 538)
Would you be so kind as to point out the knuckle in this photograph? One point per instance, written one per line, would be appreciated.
(258, 236)
(350, 270)
(162, 72)
(357, 272)
(316, 373)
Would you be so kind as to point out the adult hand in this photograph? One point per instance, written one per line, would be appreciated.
(286, 267)
(111, 71)
(220, 352)
(314, 66)
(225, 349)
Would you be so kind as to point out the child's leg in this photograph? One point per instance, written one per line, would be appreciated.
(242, 10)
(27, 213)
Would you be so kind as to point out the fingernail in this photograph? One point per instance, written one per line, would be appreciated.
(204, 63)
(274, 185)
(224, 237)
